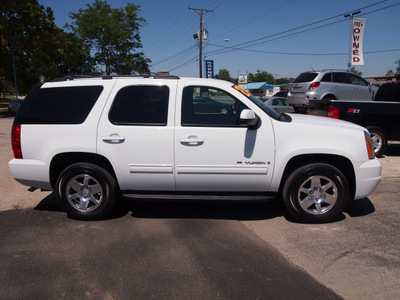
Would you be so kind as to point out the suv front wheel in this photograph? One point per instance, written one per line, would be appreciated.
(315, 193)
(86, 191)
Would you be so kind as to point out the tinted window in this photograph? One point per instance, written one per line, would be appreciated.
(63, 105)
(203, 106)
(339, 77)
(327, 77)
(354, 79)
(305, 77)
(140, 105)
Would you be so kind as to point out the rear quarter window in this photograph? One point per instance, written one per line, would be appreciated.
(61, 105)
(305, 77)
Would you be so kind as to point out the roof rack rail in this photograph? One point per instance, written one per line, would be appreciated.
(105, 77)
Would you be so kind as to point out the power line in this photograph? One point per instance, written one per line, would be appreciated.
(277, 36)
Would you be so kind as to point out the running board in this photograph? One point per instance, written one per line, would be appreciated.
(201, 197)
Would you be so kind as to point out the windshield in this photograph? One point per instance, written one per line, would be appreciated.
(268, 110)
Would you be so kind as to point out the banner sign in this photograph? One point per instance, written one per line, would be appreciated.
(357, 58)
(209, 69)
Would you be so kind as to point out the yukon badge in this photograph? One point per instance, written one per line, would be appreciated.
(251, 163)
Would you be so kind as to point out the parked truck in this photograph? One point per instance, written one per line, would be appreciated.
(381, 117)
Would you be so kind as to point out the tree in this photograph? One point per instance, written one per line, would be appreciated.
(113, 35)
(261, 76)
(284, 80)
(353, 69)
(389, 72)
(225, 75)
(42, 51)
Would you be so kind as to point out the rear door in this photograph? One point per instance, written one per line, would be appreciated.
(136, 134)
(341, 86)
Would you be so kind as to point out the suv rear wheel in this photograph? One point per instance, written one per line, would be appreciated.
(315, 193)
(86, 191)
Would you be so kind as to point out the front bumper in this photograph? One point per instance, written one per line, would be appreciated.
(368, 177)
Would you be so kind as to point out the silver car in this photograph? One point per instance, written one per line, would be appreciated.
(328, 85)
(280, 104)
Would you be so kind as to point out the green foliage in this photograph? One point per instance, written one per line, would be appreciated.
(113, 35)
(284, 80)
(42, 50)
(225, 75)
(261, 76)
(353, 69)
(389, 72)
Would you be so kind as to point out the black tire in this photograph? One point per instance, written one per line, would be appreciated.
(379, 140)
(316, 193)
(329, 98)
(300, 109)
(86, 191)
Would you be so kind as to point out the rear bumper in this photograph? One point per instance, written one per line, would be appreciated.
(297, 100)
(23, 170)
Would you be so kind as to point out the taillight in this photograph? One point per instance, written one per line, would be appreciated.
(16, 140)
(333, 112)
(313, 86)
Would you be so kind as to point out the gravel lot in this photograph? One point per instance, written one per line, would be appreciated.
(358, 257)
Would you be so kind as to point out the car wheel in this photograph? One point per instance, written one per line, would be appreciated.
(315, 193)
(86, 191)
(379, 140)
(300, 110)
(329, 98)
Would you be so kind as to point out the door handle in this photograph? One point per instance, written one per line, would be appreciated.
(192, 140)
(113, 138)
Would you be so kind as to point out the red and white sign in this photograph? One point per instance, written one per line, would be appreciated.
(357, 58)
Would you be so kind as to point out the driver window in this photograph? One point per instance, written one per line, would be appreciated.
(357, 80)
(206, 106)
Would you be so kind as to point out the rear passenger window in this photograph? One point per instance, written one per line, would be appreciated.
(63, 105)
(339, 77)
(140, 105)
(327, 77)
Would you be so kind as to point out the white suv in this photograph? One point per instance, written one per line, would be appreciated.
(93, 139)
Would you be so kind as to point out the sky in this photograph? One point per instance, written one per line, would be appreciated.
(283, 38)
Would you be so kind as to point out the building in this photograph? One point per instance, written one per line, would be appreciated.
(379, 80)
(262, 89)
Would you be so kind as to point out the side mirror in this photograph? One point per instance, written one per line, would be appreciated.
(249, 119)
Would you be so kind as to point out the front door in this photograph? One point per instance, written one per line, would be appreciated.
(213, 152)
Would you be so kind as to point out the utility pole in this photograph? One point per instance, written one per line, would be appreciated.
(201, 11)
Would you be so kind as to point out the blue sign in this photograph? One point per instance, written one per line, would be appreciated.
(209, 69)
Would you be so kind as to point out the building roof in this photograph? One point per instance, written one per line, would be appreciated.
(260, 86)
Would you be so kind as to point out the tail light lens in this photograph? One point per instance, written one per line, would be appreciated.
(16, 140)
(333, 112)
(313, 86)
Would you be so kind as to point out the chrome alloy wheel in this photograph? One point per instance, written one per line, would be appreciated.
(84, 193)
(317, 195)
(377, 141)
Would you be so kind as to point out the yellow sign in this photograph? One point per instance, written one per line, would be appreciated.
(242, 90)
